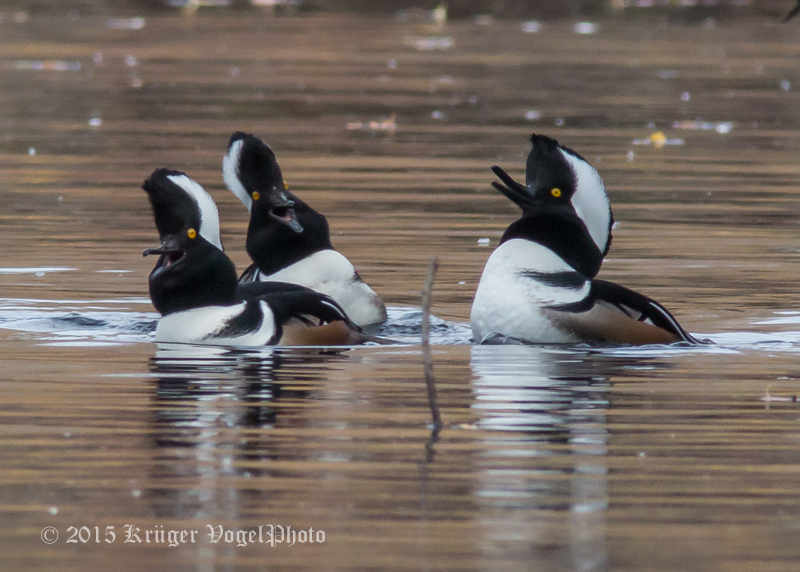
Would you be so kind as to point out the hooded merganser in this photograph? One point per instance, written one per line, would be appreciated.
(539, 285)
(194, 284)
(289, 241)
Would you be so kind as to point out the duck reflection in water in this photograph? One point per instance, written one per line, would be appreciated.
(543, 480)
(546, 478)
(214, 411)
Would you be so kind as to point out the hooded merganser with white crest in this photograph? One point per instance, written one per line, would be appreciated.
(539, 285)
(289, 241)
(195, 289)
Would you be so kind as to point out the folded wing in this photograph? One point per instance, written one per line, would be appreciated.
(616, 314)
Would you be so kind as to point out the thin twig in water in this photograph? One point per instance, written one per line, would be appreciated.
(770, 398)
(430, 381)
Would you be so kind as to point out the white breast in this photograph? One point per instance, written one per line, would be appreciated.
(509, 304)
(203, 326)
(330, 272)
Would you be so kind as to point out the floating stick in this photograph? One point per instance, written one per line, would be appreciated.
(430, 381)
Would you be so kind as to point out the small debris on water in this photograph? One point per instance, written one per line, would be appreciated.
(778, 398)
(483, 242)
(130, 61)
(531, 27)
(31, 151)
(95, 122)
(466, 426)
(194, 4)
(386, 125)
(125, 23)
(431, 43)
(722, 127)
(270, 3)
(533, 115)
(686, 96)
(53, 510)
(439, 14)
(786, 85)
(585, 28)
(657, 140)
(47, 65)
(17, 17)
(437, 115)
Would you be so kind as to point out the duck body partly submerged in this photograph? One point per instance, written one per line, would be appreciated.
(539, 285)
(288, 240)
(195, 288)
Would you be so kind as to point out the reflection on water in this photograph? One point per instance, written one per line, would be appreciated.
(553, 403)
(570, 458)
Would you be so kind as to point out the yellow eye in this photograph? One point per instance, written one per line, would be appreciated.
(286, 185)
(556, 193)
(191, 233)
(256, 195)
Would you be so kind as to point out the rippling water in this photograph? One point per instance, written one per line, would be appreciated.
(573, 458)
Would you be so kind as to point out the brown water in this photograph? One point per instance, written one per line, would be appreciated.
(550, 459)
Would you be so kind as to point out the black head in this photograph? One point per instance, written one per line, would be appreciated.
(283, 229)
(564, 205)
(192, 270)
(251, 171)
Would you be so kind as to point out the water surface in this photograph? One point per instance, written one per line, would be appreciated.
(571, 458)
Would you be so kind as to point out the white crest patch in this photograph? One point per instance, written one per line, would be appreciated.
(590, 200)
(209, 216)
(230, 173)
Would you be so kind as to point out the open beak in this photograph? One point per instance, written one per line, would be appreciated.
(519, 194)
(170, 253)
(283, 211)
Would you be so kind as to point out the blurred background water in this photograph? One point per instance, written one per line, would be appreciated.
(386, 117)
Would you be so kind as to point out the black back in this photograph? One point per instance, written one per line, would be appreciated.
(289, 301)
